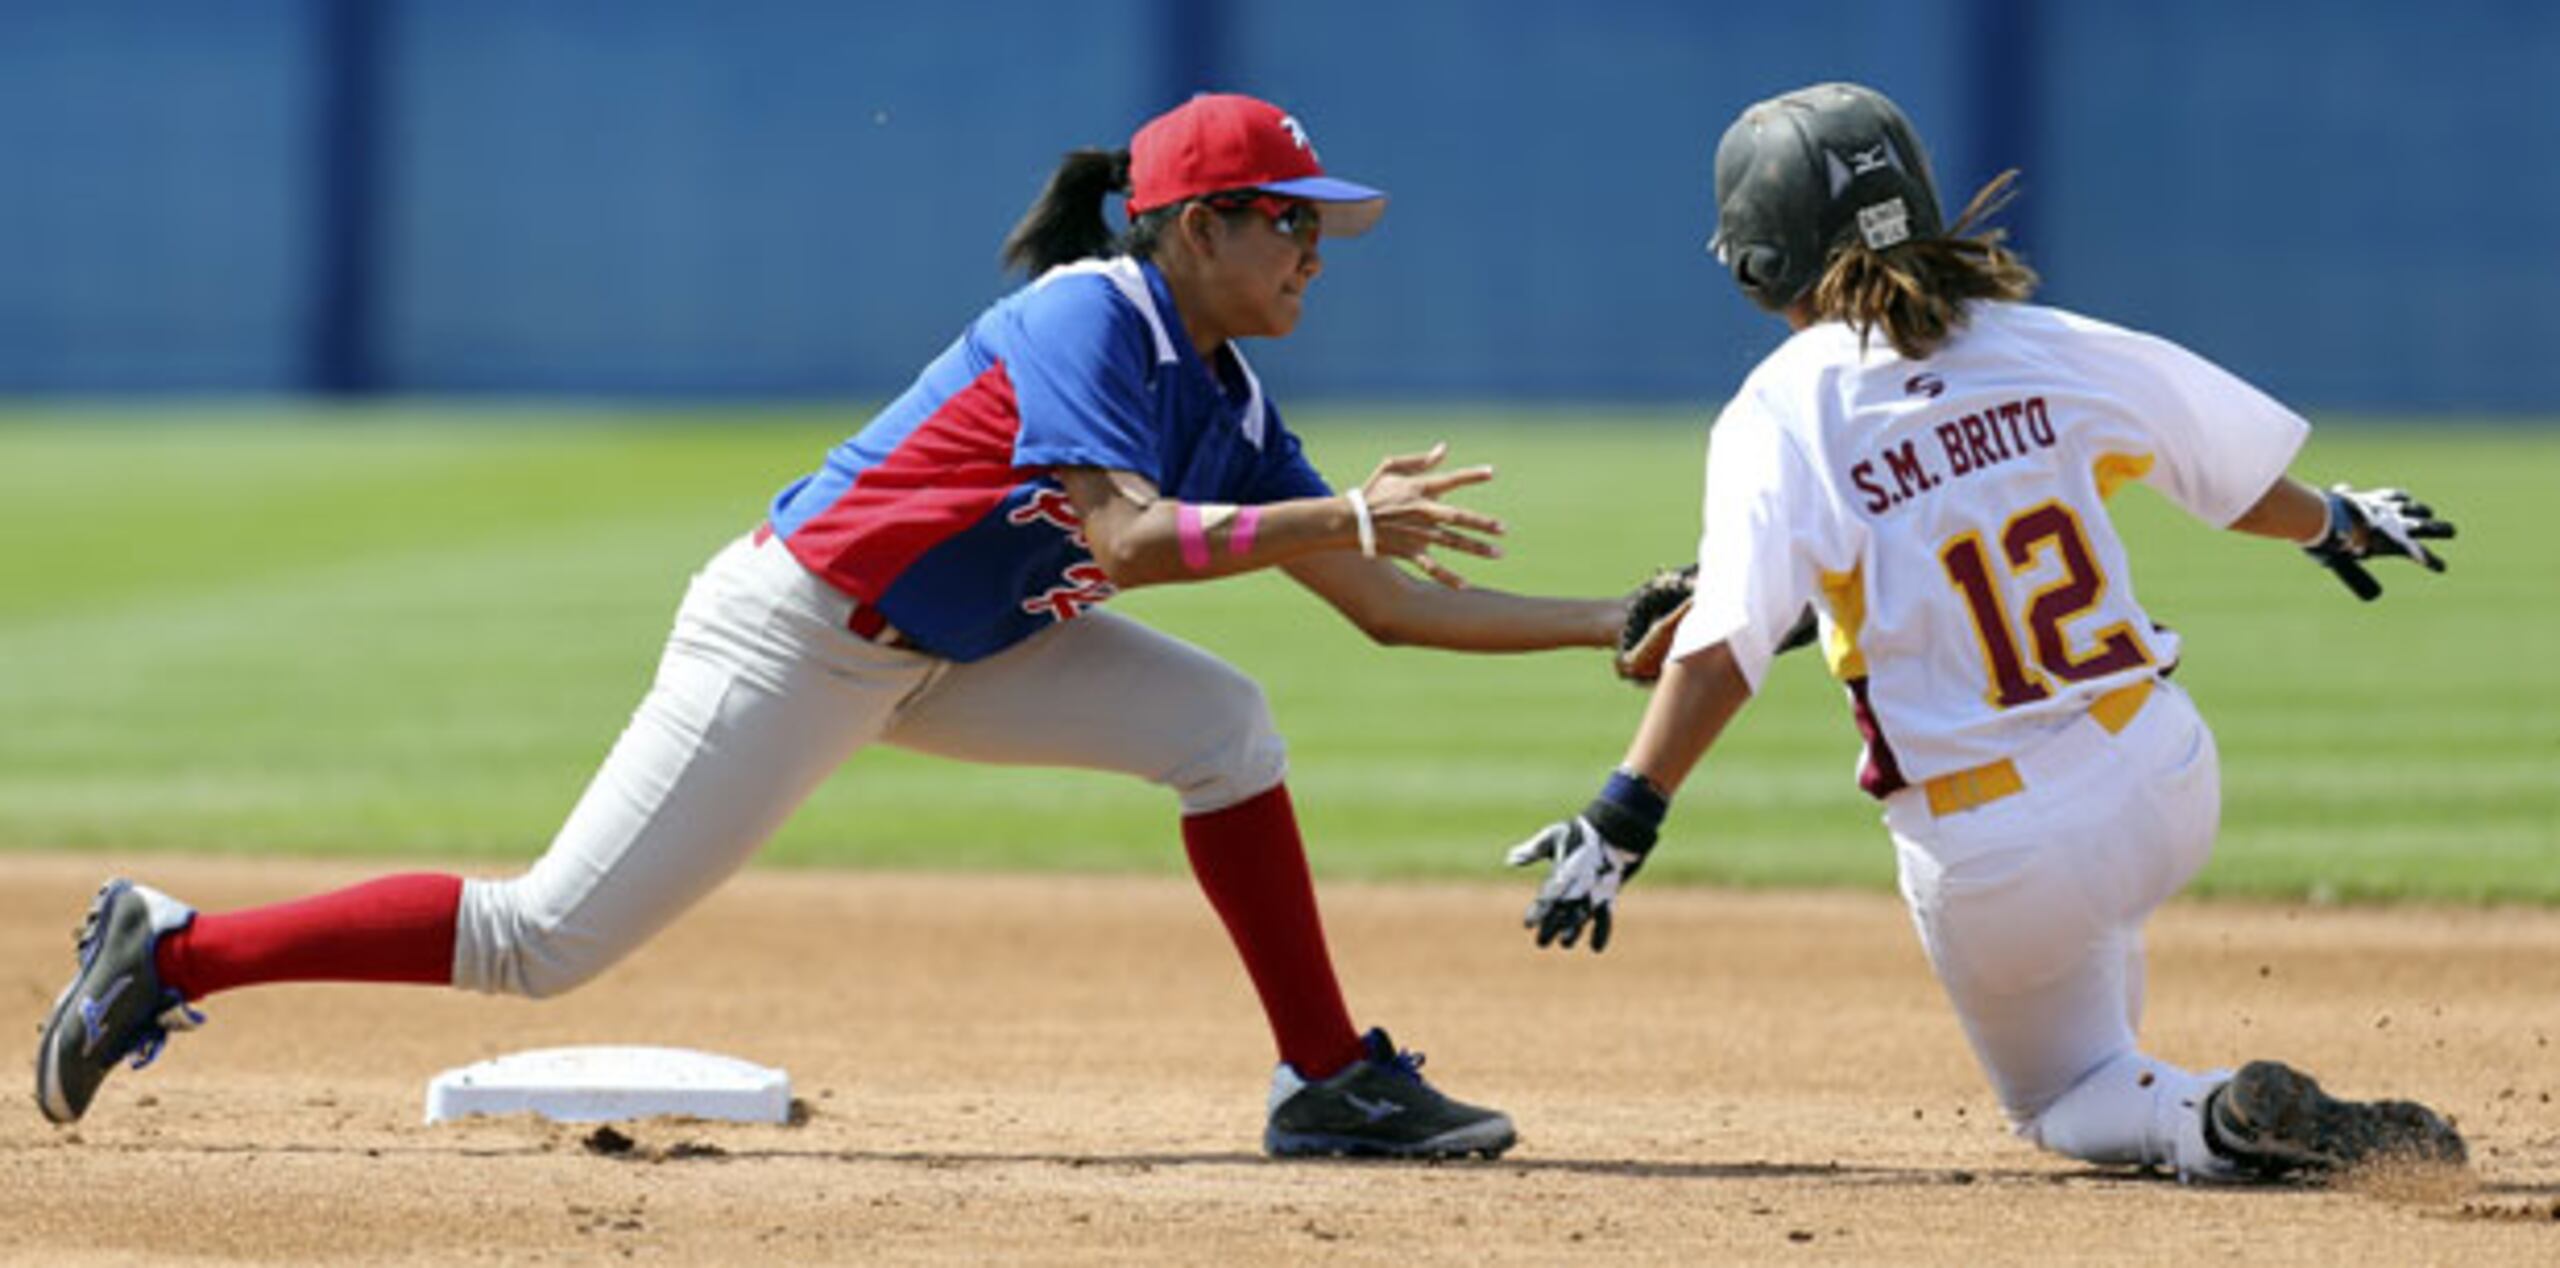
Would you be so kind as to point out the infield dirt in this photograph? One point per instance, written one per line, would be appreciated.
(1072, 1069)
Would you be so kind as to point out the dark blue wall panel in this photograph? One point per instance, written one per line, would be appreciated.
(782, 198)
(2346, 201)
(153, 195)
(1551, 174)
(2353, 204)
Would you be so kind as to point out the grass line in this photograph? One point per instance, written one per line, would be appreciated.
(410, 634)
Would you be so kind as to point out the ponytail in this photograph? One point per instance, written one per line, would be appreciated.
(1917, 291)
(1065, 222)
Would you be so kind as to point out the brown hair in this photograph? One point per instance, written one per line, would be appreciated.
(1917, 290)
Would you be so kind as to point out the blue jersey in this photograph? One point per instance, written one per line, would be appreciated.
(943, 513)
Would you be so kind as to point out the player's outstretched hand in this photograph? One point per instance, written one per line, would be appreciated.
(1404, 498)
(2365, 523)
(1585, 873)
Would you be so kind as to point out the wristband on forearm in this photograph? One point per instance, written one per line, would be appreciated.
(2337, 526)
(1628, 811)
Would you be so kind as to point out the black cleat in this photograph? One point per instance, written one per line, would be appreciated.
(115, 1006)
(2274, 1120)
(1378, 1107)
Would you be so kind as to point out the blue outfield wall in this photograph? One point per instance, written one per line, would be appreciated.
(2348, 202)
(153, 223)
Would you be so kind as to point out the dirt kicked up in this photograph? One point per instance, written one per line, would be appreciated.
(1072, 1069)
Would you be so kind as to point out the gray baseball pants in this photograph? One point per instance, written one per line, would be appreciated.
(763, 691)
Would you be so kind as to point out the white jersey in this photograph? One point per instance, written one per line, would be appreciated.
(1948, 517)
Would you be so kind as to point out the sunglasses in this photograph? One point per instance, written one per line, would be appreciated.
(1294, 218)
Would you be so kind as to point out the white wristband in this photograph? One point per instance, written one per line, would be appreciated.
(1368, 527)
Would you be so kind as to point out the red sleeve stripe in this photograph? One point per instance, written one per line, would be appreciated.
(954, 468)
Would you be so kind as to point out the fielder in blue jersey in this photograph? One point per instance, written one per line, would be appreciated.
(937, 584)
(948, 514)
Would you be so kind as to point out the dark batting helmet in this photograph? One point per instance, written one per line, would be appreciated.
(1801, 174)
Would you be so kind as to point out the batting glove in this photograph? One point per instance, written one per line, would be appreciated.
(1582, 885)
(2370, 522)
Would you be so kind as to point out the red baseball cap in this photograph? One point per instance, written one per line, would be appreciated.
(1221, 142)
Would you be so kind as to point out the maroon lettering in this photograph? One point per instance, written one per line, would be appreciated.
(1863, 475)
(2010, 413)
(1909, 475)
(1977, 441)
(1973, 442)
(2039, 423)
(1951, 438)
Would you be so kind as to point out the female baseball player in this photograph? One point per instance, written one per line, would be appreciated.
(935, 584)
(1928, 460)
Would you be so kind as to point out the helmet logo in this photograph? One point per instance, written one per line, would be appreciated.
(1876, 158)
(1298, 133)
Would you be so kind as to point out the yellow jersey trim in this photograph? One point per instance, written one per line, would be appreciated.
(1845, 593)
(2115, 469)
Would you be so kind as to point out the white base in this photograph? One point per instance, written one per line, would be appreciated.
(608, 1084)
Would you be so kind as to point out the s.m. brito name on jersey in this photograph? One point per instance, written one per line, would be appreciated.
(1905, 469)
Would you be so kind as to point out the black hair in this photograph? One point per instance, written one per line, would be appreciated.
(1065, 223)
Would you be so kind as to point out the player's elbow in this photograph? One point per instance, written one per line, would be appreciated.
(1128, 563)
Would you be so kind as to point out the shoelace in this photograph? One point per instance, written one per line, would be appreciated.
(1408, 1064)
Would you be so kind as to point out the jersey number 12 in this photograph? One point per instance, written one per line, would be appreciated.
(2026, 537)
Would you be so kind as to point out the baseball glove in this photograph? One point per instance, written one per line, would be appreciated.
(1653, 616)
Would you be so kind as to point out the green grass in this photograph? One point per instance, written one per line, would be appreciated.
(407, 632)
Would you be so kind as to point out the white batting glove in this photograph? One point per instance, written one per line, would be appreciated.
(1582, 885)
(2399, 519)
(2364, 523)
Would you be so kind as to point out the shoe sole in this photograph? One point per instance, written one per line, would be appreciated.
(2294, 1125)
(1486, 1140)
(50, 1098)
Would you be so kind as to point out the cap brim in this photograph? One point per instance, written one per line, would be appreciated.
(1344, 208)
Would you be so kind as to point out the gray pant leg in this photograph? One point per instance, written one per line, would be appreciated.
(1103, 692)
(760, 695)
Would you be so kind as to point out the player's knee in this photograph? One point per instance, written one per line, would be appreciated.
(1237, 753)
(508, 942)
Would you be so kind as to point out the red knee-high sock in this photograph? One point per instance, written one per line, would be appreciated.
(1253, 866)
(396, 929)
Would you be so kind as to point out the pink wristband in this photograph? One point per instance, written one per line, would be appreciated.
(1240, 538)
(1194, 539)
